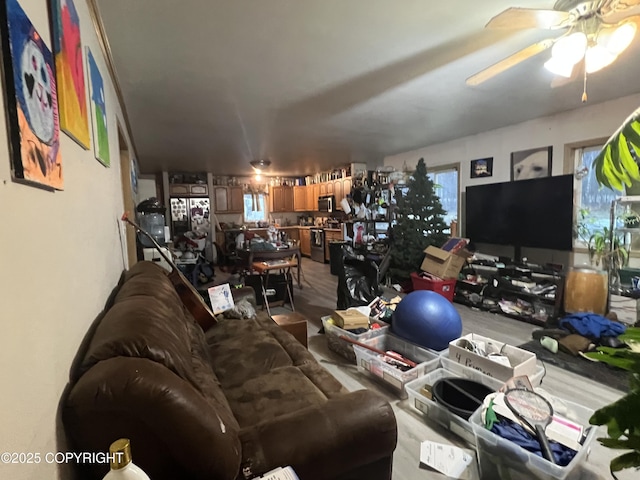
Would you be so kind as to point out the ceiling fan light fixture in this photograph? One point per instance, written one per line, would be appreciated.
(558, 67)
(620, 39)
(597, 57)
(570, 49)
(260, 165)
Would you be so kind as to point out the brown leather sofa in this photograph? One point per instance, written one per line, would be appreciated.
(232, 403)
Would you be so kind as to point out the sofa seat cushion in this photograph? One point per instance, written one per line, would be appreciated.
(278, 392)
(239, 359)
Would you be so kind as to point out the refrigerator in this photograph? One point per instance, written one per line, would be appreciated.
(189, 214)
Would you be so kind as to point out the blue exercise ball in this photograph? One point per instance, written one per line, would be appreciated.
(428, 319)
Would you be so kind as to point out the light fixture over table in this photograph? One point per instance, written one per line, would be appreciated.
(260, 165)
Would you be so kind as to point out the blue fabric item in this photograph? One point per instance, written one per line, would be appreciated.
(518, 435)
(591, 325)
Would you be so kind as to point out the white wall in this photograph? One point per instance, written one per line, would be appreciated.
(60, 257)
(583, 124)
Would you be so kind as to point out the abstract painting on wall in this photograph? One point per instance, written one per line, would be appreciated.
(98, 111)
(31, 101)
(67, 50)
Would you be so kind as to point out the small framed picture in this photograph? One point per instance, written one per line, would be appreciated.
(483, 167)
(534, 163)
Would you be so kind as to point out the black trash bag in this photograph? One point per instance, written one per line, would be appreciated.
(357, 281)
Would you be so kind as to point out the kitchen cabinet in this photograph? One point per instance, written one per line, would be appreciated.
(228, 199)
(312, 203)
(293, 233)
(337, 192)
(305, 241)
(188, 190)
(300, 199)
(316, 194)
(329, 188)
(346, 186)
(329, 236)
(282, 199)
(323, 189)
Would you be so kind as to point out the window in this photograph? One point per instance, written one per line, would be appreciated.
(593, 202)
(446, 186)
(254, 207)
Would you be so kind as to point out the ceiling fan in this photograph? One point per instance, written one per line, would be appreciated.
(593, 34)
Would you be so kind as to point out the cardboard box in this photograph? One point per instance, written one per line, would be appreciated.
(350, 319)
(522, 361)
(441, 263)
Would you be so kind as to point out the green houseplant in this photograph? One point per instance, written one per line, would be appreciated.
(616, 166)
(622, 417)
(630, 219)
(602, 253)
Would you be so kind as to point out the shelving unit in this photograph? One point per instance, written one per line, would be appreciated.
(618, 206)
(514, 284)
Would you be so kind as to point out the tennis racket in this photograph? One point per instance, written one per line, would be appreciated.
(535, 411)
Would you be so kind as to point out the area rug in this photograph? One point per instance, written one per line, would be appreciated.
(596, 371)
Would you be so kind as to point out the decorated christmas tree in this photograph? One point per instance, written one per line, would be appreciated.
(420, 223)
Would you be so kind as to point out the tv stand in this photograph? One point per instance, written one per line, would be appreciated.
(526, 292)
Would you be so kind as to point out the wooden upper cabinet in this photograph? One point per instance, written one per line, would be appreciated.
(346, 186)
(236, 199)
(287, 199)
(316, 194)
(188, 190)
(323, 189)
(337, 192)
(282, 199)
(330, 188)
(228, 199)
(299, 199)
(220, 197)
(276, 199)
(312, 204)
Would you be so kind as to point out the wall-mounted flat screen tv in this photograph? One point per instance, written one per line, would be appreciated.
(527, 213)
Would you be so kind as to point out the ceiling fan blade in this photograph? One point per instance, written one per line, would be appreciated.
(509, 62)
(520, 18)
(560, 81)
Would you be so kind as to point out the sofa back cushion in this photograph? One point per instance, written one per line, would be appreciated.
(148, 322)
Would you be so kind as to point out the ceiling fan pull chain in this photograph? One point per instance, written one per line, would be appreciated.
(584, 91)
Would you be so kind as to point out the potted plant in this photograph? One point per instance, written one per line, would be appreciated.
(602, 253)
(630, 219)
(616, 166)
(622, 417)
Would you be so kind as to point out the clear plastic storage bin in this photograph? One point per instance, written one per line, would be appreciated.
(436, 412)
(370, 362)
(463, 371)
(343, 348)
(501, 458)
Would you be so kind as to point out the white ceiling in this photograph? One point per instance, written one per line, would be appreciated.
(209, 85)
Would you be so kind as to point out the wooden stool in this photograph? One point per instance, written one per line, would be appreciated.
(294, 323)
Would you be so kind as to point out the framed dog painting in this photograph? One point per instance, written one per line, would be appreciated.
(31, 101)
(528, 164)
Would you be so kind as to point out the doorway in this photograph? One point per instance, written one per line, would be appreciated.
(129, 199)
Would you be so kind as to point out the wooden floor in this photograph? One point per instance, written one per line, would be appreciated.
(318, 298)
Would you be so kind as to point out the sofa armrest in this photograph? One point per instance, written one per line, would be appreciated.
(175, 431)
(321, 442)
